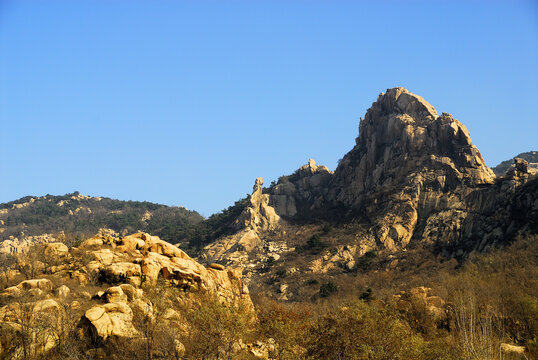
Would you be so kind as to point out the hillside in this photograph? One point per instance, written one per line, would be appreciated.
(79, 216)
(411, 248)
(530, 156)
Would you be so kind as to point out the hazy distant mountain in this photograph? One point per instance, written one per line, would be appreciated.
(530, 156)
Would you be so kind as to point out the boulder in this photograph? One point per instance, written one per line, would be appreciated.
(115, 294)
(112, 319)
(55, 250)
(62, 291)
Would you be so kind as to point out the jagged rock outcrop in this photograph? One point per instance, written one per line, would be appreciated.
(303, 191)
(400, 136)
(15, 245)
(412, 175)
(140, 259)
(407, 161)
(258, 215)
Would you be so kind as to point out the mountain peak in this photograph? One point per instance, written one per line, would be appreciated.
(401, 101)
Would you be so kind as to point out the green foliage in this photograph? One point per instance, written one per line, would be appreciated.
(216, 225)
(314, 245)
(55, 214)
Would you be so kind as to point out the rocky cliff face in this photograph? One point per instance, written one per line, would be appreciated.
(413, 175)
(302, 192)
(400, 136)
(408, 164)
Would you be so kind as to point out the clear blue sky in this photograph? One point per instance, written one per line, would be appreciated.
(187, 102)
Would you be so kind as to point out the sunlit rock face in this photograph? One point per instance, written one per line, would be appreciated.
(105, 282)
(401, 136)
(413, 177)
(408, 163)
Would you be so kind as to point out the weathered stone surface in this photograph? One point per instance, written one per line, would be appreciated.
(115, 294)
(302, 191)
(62, 291)
(31, 287)
(258, 215)
(413, 173)
(21, 246)
(112, 319)
(55, 250)
(143, 258)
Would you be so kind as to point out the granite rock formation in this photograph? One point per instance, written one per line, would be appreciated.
(413, 175)
(126, 269)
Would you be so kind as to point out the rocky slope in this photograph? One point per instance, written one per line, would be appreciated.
(414, 178)
(531, 157)
(109, 287)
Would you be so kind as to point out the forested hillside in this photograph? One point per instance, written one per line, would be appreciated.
(81, 216)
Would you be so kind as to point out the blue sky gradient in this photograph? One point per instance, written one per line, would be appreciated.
(187, 102)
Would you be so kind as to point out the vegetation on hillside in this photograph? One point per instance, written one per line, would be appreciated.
(79, 217)
(530, 156)
(492, 298)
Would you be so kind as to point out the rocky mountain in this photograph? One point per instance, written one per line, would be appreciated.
(413, 179)
(531, 157)
(412, 248)
(78, 216)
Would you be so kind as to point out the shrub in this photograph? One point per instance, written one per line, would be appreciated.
(286, 324)
(328, 289)
(365, 261)
(366, 295)
(361, 332)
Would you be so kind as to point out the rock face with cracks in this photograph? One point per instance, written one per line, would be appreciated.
(413, 175)
(257, 217)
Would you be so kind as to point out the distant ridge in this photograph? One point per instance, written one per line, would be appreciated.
(78, 215)
(530, 156)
